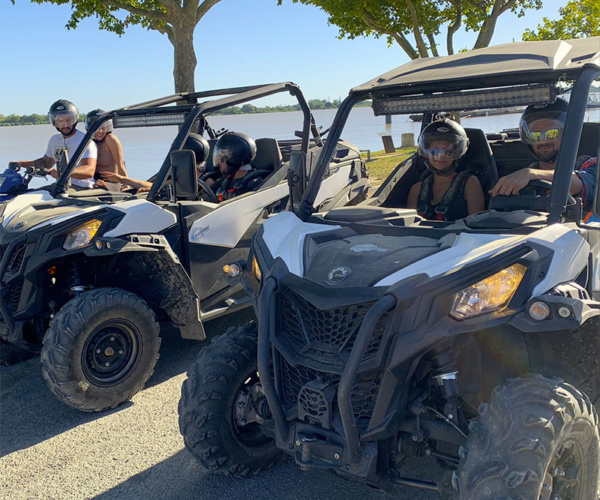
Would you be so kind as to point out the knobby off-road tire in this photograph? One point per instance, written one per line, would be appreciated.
(100, 349)
(211, 431)
(537, 439)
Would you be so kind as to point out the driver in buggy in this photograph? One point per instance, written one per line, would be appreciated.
(541, 129)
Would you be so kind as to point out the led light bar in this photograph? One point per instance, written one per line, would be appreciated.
(459, 101)
(153, 120)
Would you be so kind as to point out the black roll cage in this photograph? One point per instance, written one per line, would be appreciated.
(188, 104)
(583, 77)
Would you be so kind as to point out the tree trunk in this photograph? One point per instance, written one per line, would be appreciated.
(185, 58)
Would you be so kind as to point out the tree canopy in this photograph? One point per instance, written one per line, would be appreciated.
(578, 19)
(177, 19)
(416, 25)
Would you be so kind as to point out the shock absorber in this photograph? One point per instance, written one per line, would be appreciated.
(76, 278)
(445, 373)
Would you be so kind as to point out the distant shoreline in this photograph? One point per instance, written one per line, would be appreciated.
(313, 104)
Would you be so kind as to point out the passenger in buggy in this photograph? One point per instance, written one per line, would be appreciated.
(233, 155)
(541, 128)
(445, 194)
(110, 151)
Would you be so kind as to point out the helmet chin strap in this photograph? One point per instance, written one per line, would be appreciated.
(71, 132)
(442, 173)
(103, 139)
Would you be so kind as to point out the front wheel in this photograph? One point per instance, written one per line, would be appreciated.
(222, 407)
(100, 349)
(537, 439)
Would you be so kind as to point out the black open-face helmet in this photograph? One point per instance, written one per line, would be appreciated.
(62, 113)
(199, 145)
(93, 115)
(443, 130)
(553, 115)
(235, 149)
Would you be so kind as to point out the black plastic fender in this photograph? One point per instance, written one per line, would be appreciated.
(153, 271)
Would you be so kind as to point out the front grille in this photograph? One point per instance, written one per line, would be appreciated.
(12, 297)
(294, 378)
(326, 334)
(313, 402)
(16, 258)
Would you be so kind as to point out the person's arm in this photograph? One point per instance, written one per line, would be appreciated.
(511, 184)
(45, 162)
(413, 196)
(116, 150)
(586, 175)
(134, 183)
(85, 170)
(474, 196)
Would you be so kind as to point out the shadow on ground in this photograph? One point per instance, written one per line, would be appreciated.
(188, 480)
(30, 414)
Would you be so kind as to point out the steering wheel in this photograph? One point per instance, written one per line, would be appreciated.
(208, 192)
(534, 186)
(531, 197)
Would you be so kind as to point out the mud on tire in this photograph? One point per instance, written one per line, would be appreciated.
(100, 349)
(537, 438)
(224, 371)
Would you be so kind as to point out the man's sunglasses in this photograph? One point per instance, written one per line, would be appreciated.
(547, 135)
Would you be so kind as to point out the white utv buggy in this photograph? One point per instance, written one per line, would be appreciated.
(383, 338)
(85, 275)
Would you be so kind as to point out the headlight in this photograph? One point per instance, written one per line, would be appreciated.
(82, 235)
(256, 269)
(491, 294)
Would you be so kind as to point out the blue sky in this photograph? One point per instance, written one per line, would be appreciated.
(239, 42)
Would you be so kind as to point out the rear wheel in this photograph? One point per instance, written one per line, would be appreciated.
(222, 407)
(537, 439)
(100, 349)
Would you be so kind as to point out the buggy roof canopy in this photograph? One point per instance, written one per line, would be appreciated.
(506, 64)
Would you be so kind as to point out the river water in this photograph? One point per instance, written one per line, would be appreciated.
(145, 148)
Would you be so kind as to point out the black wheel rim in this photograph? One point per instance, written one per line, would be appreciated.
(565, 475)
(110, 352)
(249, 434)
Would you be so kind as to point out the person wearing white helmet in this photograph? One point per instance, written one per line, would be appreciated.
(64, 116)
(541, 128)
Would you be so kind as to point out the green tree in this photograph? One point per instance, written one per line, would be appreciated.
(415, 24)
(578, 19)
(177, 19)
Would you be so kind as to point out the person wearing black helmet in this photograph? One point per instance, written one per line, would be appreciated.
(541, 127)
(110, 150)
(64, 116)
(445, 194)
(198, 144)
(232, 156)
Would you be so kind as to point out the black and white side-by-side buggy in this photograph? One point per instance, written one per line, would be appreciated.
(382, 337)
(84, 275)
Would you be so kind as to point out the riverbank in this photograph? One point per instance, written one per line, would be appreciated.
(381, 164)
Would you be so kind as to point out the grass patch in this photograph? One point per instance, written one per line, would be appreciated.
(382, 164)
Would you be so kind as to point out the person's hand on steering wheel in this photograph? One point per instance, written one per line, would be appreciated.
(511, 184)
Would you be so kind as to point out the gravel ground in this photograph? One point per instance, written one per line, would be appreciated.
(49, 451)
